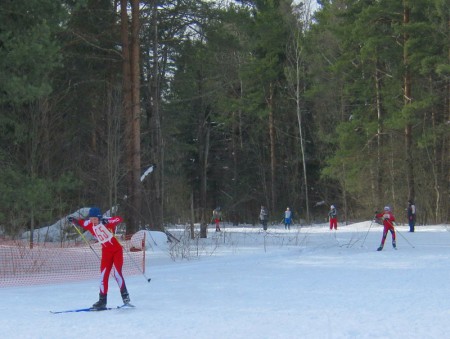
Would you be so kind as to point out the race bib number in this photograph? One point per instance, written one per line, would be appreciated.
(102, 233)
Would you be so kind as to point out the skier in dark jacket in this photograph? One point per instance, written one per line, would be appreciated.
(263, 217)
(411, 211)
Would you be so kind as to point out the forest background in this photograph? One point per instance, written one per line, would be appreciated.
(238, 104)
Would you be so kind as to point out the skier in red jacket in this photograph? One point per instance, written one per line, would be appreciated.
(388, 223)
(103, 230)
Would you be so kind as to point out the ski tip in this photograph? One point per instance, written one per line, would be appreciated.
(126, 306)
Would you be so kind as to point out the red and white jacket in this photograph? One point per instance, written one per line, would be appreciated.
(104, 233)
(387, 217)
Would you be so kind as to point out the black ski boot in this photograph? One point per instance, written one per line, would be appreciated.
(380, 248)
(125, 296)
(394, 244)
(101, 303)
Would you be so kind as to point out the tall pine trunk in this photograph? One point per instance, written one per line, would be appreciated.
(131, 105)
(407, 101)
(157, 150)
(446, 154)
(380, 115)
(270, 106)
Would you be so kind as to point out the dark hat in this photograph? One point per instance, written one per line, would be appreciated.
(95, 212)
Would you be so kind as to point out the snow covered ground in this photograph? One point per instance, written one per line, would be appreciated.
(309, 282)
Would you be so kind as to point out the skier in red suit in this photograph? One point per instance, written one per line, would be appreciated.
(388, 223)
(112, 252)
(332, 214)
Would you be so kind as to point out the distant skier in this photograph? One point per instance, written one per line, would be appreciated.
(112, 252)
(263, 217)
(217, 215)
(287, 219)
(411, 212)
(388, 222)
(332, 214)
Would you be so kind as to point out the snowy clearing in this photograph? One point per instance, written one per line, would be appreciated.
(308, 282)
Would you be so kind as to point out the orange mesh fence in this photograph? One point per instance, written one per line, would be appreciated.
(48, 263)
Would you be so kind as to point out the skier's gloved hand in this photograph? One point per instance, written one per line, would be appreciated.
(104, 221)
(71, 219)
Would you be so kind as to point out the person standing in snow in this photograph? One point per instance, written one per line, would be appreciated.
(263, 217)
(216, 217)
(332, 214)
(287, 219)
(388, 223)
(103, 230)
(411, 212)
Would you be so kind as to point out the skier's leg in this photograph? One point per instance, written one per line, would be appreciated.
(105, 269)
(411, 225)
(118, 265)
(383, 239)
(118, 275)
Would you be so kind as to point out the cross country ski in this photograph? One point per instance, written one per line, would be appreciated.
(92, 309)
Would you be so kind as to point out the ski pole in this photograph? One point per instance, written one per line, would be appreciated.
(367, 234)
(403, 236)
(85, 240)
(137, 266)
(134, 262)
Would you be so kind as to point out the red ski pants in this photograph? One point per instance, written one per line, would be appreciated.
(386, 229)
(110, 258)
(217, 221)
(333, 223)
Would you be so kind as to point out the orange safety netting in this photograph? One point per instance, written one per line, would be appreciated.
(48, 263)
